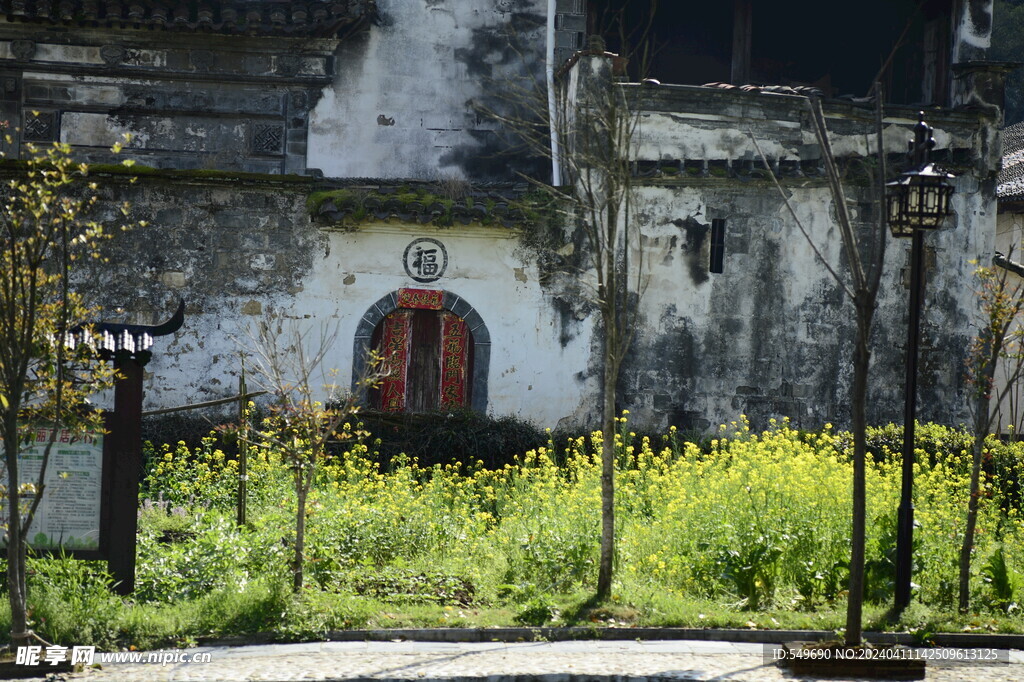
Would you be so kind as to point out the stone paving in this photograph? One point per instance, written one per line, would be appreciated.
(573, 661)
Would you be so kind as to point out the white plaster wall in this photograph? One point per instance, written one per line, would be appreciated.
(531, 375)
(412, 70)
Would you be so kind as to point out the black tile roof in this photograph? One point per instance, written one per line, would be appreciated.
(313, 18)
(485, 203)
(1010, 185)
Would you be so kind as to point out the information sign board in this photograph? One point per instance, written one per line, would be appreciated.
(68, 517)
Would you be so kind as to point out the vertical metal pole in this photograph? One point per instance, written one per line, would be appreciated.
(243, 445)
(905, 521)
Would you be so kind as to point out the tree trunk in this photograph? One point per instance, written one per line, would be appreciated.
(16, 597)
(301, 491)
(980, 432)
(15, 544)
(858, 399)
(608, 453)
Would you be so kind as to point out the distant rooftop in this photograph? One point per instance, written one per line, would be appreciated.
(314, 18)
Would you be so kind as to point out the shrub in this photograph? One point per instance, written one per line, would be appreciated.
(461, 435)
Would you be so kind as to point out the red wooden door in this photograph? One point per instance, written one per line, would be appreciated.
(428, 357)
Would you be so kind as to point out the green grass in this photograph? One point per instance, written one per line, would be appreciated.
(746, 530)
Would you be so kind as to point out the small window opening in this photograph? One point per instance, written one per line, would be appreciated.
(717, 260)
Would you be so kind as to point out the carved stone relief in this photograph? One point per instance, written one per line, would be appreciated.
(23, 49)
(112, 55)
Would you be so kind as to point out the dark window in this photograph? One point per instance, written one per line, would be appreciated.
(717, 260)
(906, 43)
(685, 43)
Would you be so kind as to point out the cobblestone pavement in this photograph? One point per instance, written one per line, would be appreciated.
(575, 661)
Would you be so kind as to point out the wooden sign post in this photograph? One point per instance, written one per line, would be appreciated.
(128, 346)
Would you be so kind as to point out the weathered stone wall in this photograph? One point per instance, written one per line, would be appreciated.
(772, 334)
(237, 249)
(407, 98)
(972, 29)
(402, 100)
(187, 101)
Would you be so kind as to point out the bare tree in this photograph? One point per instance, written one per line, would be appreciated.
(308, 408)
(864, 262)
(1000, 337)
(598, 147)
(589, 133)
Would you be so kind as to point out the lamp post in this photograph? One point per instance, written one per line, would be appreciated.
(917, 201)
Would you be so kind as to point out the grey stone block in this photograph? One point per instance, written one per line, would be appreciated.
(37, 92)
(178, 60)
(481, 335)
(481, 368)
(473, 320)
(365, 328)
(568, 39)
(226, 240)
(461, 308)
(231, 219)
(279, 239)
(450, 300)
(171, 217)
(257, 64)
(193, 240)
(360, 353)
(387, 303)
(373, 316)
(663, 401)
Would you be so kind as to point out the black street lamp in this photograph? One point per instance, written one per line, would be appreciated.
(916, 202)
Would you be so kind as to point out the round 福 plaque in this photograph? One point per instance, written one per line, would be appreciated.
(425, 260)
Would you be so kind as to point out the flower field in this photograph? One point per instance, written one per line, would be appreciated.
(748, 529)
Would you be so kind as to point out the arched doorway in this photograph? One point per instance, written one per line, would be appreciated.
(436, 349)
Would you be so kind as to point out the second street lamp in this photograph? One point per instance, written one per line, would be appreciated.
(917, 201)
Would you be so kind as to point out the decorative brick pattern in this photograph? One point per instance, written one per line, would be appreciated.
(267, 139)
(40, 126)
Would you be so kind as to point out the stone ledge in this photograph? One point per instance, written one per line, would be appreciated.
(552, 634)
